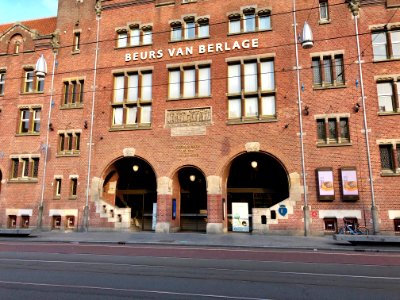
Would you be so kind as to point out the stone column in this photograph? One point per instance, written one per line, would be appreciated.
(164, 205)
(214, 205)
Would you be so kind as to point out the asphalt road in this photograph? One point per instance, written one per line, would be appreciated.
(68, 271)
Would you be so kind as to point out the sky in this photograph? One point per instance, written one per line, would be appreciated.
(20, 10)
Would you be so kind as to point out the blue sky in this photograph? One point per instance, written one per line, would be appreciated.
(20, 10)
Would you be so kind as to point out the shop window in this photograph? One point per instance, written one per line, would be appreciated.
(328, 71)
(73, 93)
(190, 28)
(386, 44)
(132, 99)
(2, 81)
(251, 90)
(69, 143)
(24, 169)
(24, 221)
(70, 222)
(397, 225)
(12, 221)
(249, 20)
(323, 10)
(189, 82)
(390, 158)
(56, 222)
(330, 224)
(333, 131)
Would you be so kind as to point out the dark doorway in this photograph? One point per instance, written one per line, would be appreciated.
(136, 189)
(1, 178)
(193, 205)
(257, 179)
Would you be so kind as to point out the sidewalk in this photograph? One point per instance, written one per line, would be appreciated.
(230, 240)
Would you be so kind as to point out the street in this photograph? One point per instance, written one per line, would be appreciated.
(88, 271)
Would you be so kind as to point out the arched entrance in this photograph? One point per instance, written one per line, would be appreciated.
(130, 183)
(256, 182)
(193, 199)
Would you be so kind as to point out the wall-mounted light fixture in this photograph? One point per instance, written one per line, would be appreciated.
(85, 124)
(356, 107)
(306, 110)
(192, 178)
(135, 168)
(254, 164)
(51, 128)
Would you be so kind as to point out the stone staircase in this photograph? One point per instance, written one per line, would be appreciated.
(121, 217)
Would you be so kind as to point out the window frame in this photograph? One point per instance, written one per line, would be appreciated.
(393, 153)
(69, 143)
(73, 93)
(24, 168)
(2, 82)
(394, 95)
(324, 11)
(180, 29)
(31, 117)
(122, 106)
(238, 22)
(390, 51)
(339, 137)
(126, 38)
(73, 192)
(327, 76)
(259, 96)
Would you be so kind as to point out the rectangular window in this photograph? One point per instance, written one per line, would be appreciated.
(77, 41)
(379, 45)
(204, 30)
(234, 25)
(29, 76)
(135, 37)
(57, 190)
(190, 30)
(134, 108)
(323, 10)
(29, 121)
(176, 33)
(2, 82)
(24, 168)
(69, 143)
(73, 93)
(386, 96)
(122, 39)
(328, 70)
(251, 90)
(333, 130)
(264, 22)
(387, 162)
(74, 187)
(147, 37)
(249, 22)
(189, 82)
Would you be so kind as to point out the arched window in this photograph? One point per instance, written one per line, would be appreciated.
(16, 44)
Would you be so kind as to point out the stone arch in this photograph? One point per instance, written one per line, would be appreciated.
(16, 44)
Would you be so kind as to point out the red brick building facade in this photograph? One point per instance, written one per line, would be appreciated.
(173, 115)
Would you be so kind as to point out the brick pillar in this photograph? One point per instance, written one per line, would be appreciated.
(214, 205)
(164, 204)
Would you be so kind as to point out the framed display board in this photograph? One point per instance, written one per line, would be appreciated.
(325, 188)
(349, 184)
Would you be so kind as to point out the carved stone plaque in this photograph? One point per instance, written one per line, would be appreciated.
(188, 117)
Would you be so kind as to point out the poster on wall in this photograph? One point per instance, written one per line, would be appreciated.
(154, 218)
(349, 184)
(240, 217)
(325, 187)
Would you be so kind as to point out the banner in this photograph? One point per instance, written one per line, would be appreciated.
(240, 217)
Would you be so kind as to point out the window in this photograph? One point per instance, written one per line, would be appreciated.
(328, 70)
(29, 120)
(135, 36)
(396, 225)
(132, 99)
(2, 81)
(69, 143)
(24, 168)
(32, 83)
(73, 187)
(386, 44)
(388, 99)
(191, 29)
(250, 21)
(189, 82)
(251, 89)
(390, 157)
(57, 188)
(77, 42)
(330, 224)
(323, 10)
(73, 93)
(333, 130)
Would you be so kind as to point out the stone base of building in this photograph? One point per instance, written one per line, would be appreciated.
(215, 228)
(163, 227)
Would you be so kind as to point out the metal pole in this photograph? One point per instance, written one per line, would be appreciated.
(86, 209)
(303, 167)
(46, 153)
(374, 212)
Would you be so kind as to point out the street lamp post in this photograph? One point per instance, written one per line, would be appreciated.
(41, 72)
(307, 42)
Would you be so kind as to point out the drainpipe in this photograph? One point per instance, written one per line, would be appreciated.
(354, 6)
(86, 208)
(46, 145)
(306, 210)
